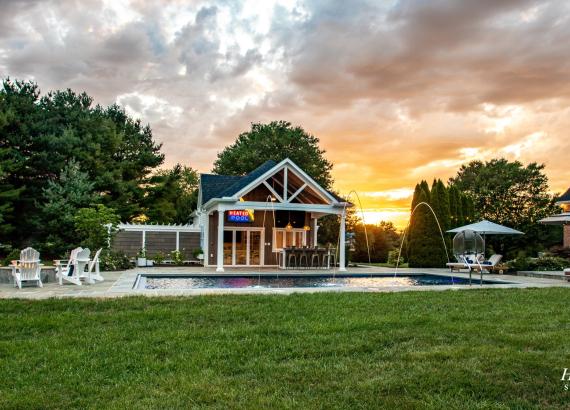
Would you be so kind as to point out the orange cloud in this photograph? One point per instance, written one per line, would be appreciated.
(396, 92)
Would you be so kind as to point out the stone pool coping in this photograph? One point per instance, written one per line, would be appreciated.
(120, 284)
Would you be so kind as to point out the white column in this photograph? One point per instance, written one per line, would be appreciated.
(143, 239)
(205, 238)
(177, 240)
(342, 239)
(220, 255)
(315, 229)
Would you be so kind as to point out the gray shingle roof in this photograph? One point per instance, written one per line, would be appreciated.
(218, 186)
(565, 197)
(213, 186)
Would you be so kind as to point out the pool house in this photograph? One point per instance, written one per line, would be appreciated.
(249, 220)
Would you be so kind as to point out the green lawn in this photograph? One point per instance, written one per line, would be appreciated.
(453, 349)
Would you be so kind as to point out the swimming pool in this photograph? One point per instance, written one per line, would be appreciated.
(151, 282)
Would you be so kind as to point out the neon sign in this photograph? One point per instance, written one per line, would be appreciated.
(241, 216)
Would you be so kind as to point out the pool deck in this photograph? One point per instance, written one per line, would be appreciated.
(120, 284)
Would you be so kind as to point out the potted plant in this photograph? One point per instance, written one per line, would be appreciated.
(141, 258)
(198, 253)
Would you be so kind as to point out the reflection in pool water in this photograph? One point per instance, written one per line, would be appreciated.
(233, 282)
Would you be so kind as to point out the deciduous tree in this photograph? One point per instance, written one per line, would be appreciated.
(277, 140)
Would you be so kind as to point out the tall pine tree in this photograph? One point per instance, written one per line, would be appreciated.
(425, 248)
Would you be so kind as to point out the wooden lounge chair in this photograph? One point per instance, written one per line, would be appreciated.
(27, 268)
(490, 265)
(465, 262)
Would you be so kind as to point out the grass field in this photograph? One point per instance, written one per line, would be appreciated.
(453, 349)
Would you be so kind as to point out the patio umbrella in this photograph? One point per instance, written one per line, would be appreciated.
(485, 227)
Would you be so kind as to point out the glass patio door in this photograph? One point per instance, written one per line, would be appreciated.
(255, 248)
(240, 247)
(243, 247)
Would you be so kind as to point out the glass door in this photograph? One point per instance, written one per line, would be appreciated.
(228, 247)
(255, 247)
(241, 248)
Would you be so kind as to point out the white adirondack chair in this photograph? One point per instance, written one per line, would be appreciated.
(72, 269)
(63, 265)
(27, 268)
(93, 274)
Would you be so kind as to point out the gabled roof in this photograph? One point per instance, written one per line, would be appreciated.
(565, 197)
(213, 186)
(219, 186)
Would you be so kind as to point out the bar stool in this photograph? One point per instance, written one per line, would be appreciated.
(292, 255)
(303, 254)
(316, 255)
(329, 258)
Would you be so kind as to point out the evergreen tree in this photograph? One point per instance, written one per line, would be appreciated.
(415, 201)
(467, 210)
(416, 196)
(172, 195)
(62, 198)
(425, 186)
(425, 245)
(38, 138)
(456, 207)
(440, 203)
(419, 248)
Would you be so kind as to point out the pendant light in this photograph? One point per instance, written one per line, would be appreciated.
(289, 227)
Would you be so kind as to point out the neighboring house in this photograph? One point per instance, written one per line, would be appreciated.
(247, 220)
(563, 218)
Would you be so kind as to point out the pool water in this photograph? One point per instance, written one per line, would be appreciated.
(284, 281)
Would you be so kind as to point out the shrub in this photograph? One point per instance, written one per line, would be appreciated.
(393, 257)
(545, 263)
(14, 254)
(114, 260)
(177, 257)
(196, 252)
(158, 258)
(95, 226)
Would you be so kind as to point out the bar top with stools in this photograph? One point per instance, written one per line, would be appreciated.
(307, 258)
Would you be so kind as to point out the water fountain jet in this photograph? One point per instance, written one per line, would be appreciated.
(407, 229)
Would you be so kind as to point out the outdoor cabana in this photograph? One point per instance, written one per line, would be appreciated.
(250, 220)
(562, 218)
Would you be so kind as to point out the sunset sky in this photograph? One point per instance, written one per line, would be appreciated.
(397, 91)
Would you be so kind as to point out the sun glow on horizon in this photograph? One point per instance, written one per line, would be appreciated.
(398, 216)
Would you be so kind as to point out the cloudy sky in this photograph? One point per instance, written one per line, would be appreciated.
(397, 91)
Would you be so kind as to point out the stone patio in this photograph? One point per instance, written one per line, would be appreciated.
(119, 284)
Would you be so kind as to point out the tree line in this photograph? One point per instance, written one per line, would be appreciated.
(505, 192)
(60, 153)
(65, 160)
